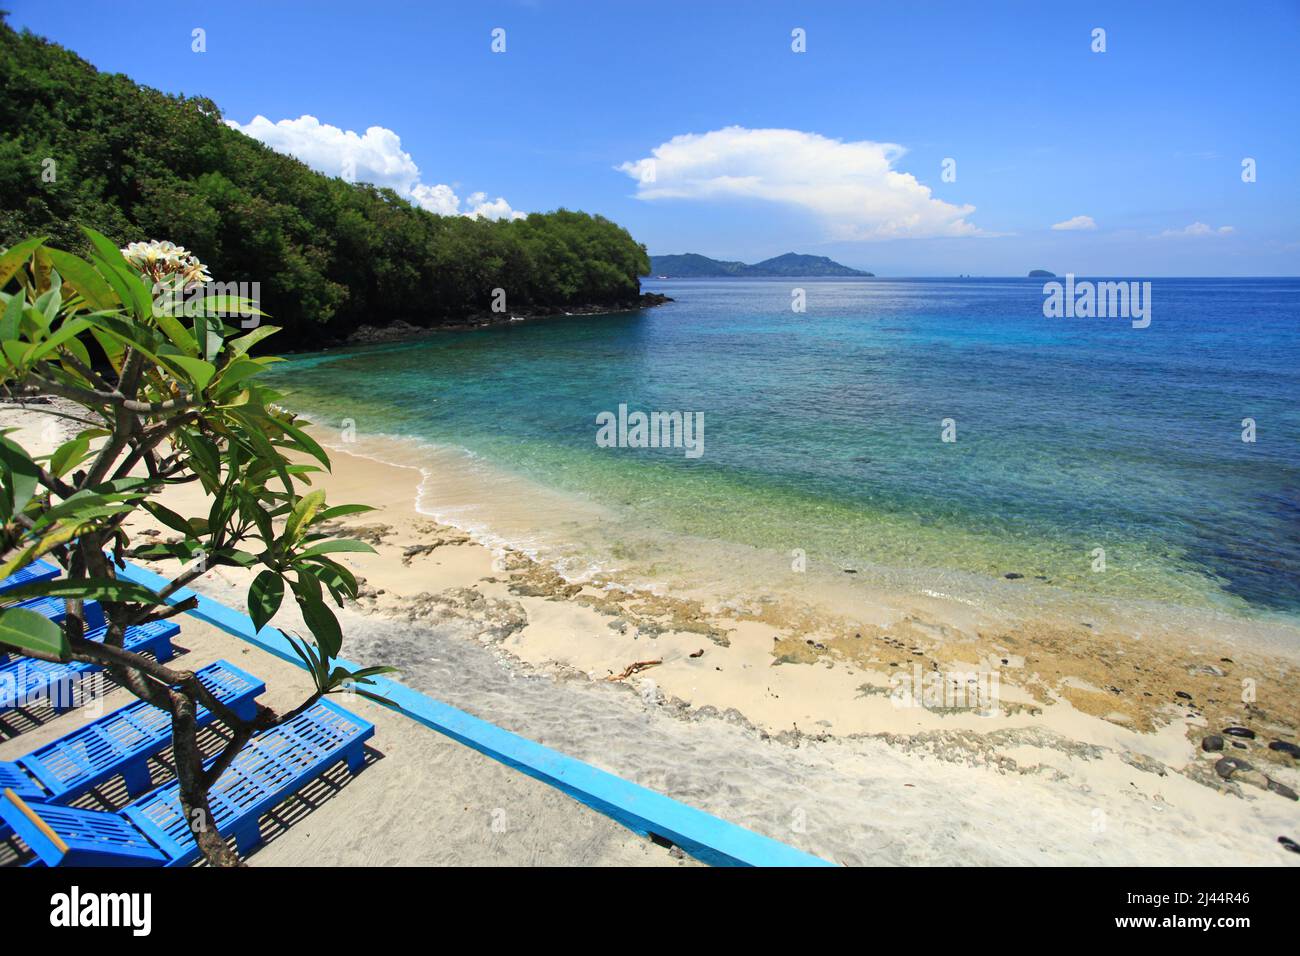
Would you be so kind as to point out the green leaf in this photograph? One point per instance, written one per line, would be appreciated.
(245, 342)
(28, 630)
(130, 289)
(170, 518)
(13, 317)
(323, 624)
(196, 370)
(69, 455)
(86, 589)
(375, 698)
(70, 329)
(262, 447)
(88, 283)
(340, 581)
(302, 514)
(21, 476)
(175, 332)
(304, 651)
(330, 547)
(339, 511)
(144, 340)
(79, 351)
(364, 674)
(264, 597)
(207, 336)
(48, 303)
(113, 349)
(308, 444)
(205, 459)
(239, 370)
(13, 258)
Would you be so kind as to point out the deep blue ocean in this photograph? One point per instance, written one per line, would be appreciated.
(824, 429)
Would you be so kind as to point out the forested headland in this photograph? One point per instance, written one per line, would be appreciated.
(82, 147)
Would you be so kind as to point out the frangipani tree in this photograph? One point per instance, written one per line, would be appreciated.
(165, 393)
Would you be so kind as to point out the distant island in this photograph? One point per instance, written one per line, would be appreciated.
(1041, 274)
(792, 264)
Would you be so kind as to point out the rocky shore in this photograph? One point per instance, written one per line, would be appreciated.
(400, 330)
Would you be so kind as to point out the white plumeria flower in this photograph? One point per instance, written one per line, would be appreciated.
(162, 259)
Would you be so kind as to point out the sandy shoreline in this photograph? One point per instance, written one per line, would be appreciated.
(1087, 732)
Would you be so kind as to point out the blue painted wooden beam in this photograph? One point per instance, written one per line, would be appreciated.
(702, 835)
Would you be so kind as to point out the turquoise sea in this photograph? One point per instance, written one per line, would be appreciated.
(823, 430)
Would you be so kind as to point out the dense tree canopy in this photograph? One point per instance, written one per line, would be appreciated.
(135, 163)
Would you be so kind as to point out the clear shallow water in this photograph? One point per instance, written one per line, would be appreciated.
(822, 430)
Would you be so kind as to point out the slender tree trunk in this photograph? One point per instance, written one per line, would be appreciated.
(193, 786)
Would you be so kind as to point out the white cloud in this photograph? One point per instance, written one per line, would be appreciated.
(373, 157)
(852, 188)
(1078, 222)
(1197, 229)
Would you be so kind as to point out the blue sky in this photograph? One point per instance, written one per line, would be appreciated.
(758, 150)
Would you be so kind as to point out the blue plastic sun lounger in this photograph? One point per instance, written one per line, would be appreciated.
(30, 573)
(153, 831)
(56, 609)
(26, 680)
(119, 744)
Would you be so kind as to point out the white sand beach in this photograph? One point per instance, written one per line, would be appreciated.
(781, 716)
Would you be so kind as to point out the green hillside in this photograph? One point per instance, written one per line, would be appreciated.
(137, 164)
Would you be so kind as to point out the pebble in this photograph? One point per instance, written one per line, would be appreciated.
(1289, 844)
(1285, 747)
(1240, 732)
(1212, 743)
(1012, 575)
(1225, 767)
(1183, 694)
(1283, 789)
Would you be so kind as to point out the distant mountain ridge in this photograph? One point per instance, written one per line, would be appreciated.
(792, 264)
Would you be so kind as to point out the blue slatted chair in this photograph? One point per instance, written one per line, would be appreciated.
(119, 744)
(26, 680)
(152, 831)
(78, 837)
(28, 574)
(13, 777)
(56, 609)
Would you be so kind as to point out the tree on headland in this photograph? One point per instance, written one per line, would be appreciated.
(81, 147)
(166, 394)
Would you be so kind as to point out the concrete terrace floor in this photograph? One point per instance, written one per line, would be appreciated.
(422, 799)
